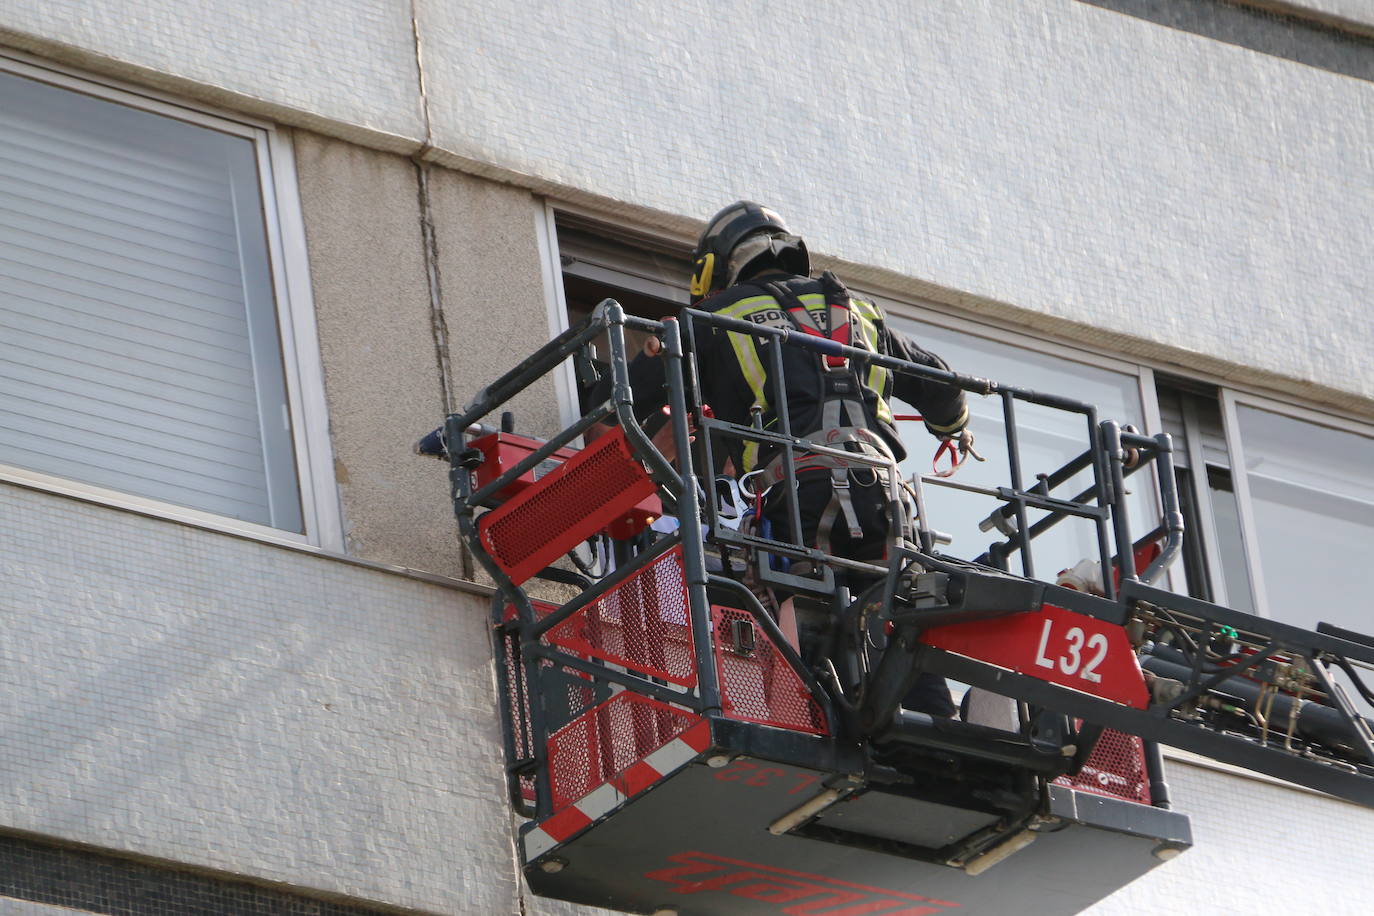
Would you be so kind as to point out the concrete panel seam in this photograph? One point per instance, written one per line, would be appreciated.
(420, 76)
(438, 324)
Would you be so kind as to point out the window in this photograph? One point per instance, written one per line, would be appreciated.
(1047, 440)
(1279, 504)
(1310, 491)
(141, 351)
(1213, 562)
(649, 277)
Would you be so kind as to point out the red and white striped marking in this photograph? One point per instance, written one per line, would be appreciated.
(638, 776)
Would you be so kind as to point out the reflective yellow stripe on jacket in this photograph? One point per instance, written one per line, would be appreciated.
(866, 317)
(879, 378)
(750, 364)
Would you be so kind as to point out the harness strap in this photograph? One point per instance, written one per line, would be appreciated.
(837, 310)
(842, 406)
(868, 442)
(832, 321)
(839, 494)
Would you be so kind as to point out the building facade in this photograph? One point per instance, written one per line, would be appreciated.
(250, 252)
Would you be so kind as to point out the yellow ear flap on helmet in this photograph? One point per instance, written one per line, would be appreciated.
(713, 260)
(702, 271)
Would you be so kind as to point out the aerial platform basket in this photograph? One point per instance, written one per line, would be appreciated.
(761, 809)
(669, 751)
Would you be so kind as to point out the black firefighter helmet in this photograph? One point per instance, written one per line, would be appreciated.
(740, 240)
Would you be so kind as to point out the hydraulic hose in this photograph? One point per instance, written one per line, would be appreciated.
(1315, 722)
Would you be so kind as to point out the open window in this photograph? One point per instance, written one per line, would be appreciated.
(1047, 440)
(1277, 505)
(1214, 561)
(648, 276)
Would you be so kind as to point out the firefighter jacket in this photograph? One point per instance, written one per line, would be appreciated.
(735, 370)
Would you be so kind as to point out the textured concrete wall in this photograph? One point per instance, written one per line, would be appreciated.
(495, 303)
(1260, 848)
(1169, 194)
(1065, 159)
(350, 63)
(381, 353)
(11, 907)
(223, 703)
(367, 262)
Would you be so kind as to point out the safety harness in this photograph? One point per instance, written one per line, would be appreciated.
(842, 421)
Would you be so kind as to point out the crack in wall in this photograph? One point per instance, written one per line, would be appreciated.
(430, 242)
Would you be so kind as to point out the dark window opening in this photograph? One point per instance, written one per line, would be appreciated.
(1213, 560)
(647, 276)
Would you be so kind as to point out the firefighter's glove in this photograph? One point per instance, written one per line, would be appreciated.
(963, 441)
(958, 446)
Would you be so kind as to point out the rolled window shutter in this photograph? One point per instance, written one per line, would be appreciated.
(1209, 425)
(138, 341)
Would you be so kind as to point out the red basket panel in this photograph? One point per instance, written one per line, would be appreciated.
(518, 695)
(1116, 768)
(606, 740)
(761, 686)
(503, 451)
(601, 486)
(641, 624)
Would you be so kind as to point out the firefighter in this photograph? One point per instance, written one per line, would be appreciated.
(749, 266)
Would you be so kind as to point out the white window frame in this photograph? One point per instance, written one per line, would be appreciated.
(1206, 515)
(295, 311)
(1027, 340)
(556, 304)
(1231, 399)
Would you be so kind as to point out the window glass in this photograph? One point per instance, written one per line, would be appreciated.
(1310, 495)
(1230, 544)
(1047, 439)
(139, 348)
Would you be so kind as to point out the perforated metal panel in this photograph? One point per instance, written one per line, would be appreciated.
(518, 708)
(601, 485)
(757, 684)
(641, 624)
(608, 739)
(1116, 768)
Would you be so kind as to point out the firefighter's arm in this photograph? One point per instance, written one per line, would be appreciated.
(647, 378)
(943, 407)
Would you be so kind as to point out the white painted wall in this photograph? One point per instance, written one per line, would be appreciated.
(1260, 848)
(224, 703)
(1049, 154)
(253, 709)
(1062, 158)
(348, 61)
(233, 705)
